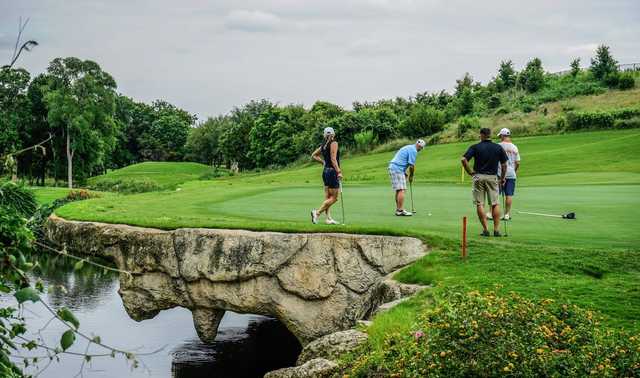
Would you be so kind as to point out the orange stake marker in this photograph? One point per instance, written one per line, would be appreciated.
(464, 237)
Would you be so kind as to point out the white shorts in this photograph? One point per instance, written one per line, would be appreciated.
(398, 180)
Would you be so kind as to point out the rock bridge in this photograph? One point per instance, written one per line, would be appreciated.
(315, 284)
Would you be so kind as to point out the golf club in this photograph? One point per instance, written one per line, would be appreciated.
(342, 202)
(413, 208)
(571, 215)
(504, 208)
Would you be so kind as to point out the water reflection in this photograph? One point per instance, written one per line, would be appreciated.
(246, 346)
(264, 345)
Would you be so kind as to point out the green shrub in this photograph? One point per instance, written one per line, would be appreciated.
(611, 79)
(467, 123)
(589, 120)
(632, 123)
(126, 186)
(19, 198)
(494, 101)
(626, 81)
(491, 335)
(423, 121)
(213, 173)
(365, 140)
(561, 123)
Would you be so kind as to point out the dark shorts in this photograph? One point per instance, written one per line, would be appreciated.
(509, 187)
(330, 178)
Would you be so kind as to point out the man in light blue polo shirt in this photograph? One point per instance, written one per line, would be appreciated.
(403, 161)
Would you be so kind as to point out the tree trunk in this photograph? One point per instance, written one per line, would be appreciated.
(69, 161)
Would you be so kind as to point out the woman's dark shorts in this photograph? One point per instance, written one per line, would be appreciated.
(330, 178)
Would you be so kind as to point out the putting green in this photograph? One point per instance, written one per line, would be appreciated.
(607, 215)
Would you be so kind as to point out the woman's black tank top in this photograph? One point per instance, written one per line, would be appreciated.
(326, 155)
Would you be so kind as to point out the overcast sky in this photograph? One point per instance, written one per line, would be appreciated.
(209, 56)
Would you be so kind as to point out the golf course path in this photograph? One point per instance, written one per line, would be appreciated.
(315, 284)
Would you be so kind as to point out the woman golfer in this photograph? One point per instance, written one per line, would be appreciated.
(328, 155)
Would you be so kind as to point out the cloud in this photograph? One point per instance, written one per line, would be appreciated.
(368, 47)
(582, 49)
(252, 21)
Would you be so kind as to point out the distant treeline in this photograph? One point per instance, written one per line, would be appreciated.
(88, 126)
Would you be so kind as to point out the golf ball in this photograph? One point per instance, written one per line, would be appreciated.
(429, 214)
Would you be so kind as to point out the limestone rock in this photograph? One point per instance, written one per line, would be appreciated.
(317, 368)
(332, 346)
(315, 284)
(310, 275)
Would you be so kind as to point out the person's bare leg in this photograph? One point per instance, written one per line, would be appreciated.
(399, 199)
(508, 201)
(482, 216)
(333, 198)
(327, 196)
(495, 211)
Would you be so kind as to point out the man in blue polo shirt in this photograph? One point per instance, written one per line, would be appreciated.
(401, 167)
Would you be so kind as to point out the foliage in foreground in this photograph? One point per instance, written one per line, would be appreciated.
(496, 334)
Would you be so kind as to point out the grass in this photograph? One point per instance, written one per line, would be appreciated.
(164, 174)
(46, 194)
(593, 261)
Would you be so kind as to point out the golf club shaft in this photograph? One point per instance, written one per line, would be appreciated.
(504, 211)
(342, 201)
(413, 208)
(540, 214)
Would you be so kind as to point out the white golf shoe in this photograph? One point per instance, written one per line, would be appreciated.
(314, 216)
(331, 221)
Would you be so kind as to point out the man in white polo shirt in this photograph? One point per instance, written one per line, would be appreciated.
(513, 163)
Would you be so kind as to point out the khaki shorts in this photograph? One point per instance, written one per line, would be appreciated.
(485, 186)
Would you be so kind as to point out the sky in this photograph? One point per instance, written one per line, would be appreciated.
(209, 56)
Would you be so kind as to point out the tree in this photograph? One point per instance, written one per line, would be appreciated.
(465, 83)
(575, 67)
(423, 121)
(234, 140)
(603, 64)
(531, 78)
(14, 107)
(465, 102)
(507, 75)
(81, 104)
(203, 142)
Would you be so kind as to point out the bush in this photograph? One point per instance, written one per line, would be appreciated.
(126, 186)
(632, 123)
(626, 81)
(19, 198)
(213, 173)
(502, 110)
(491, 335)
(612, 79)
(80, 194)
(423, 121)
(589, 120)
(467, 123)
(494, 101)
(365, 140)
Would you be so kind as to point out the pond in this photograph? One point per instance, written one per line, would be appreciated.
(246, 345)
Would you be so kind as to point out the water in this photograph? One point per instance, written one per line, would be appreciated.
(246, 346)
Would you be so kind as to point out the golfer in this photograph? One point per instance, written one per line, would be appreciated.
(513, 163)
(401, 167)
(328, 154)
(486, 155)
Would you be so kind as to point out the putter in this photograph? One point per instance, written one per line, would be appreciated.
(571, 215)
(413, 209)
(342, 202)
(504, 208)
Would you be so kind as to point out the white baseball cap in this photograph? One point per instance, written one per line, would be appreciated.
(505, 132)
(328, 131)
(421, 143)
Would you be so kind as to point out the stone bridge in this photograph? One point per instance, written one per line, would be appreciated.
(315, 284)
